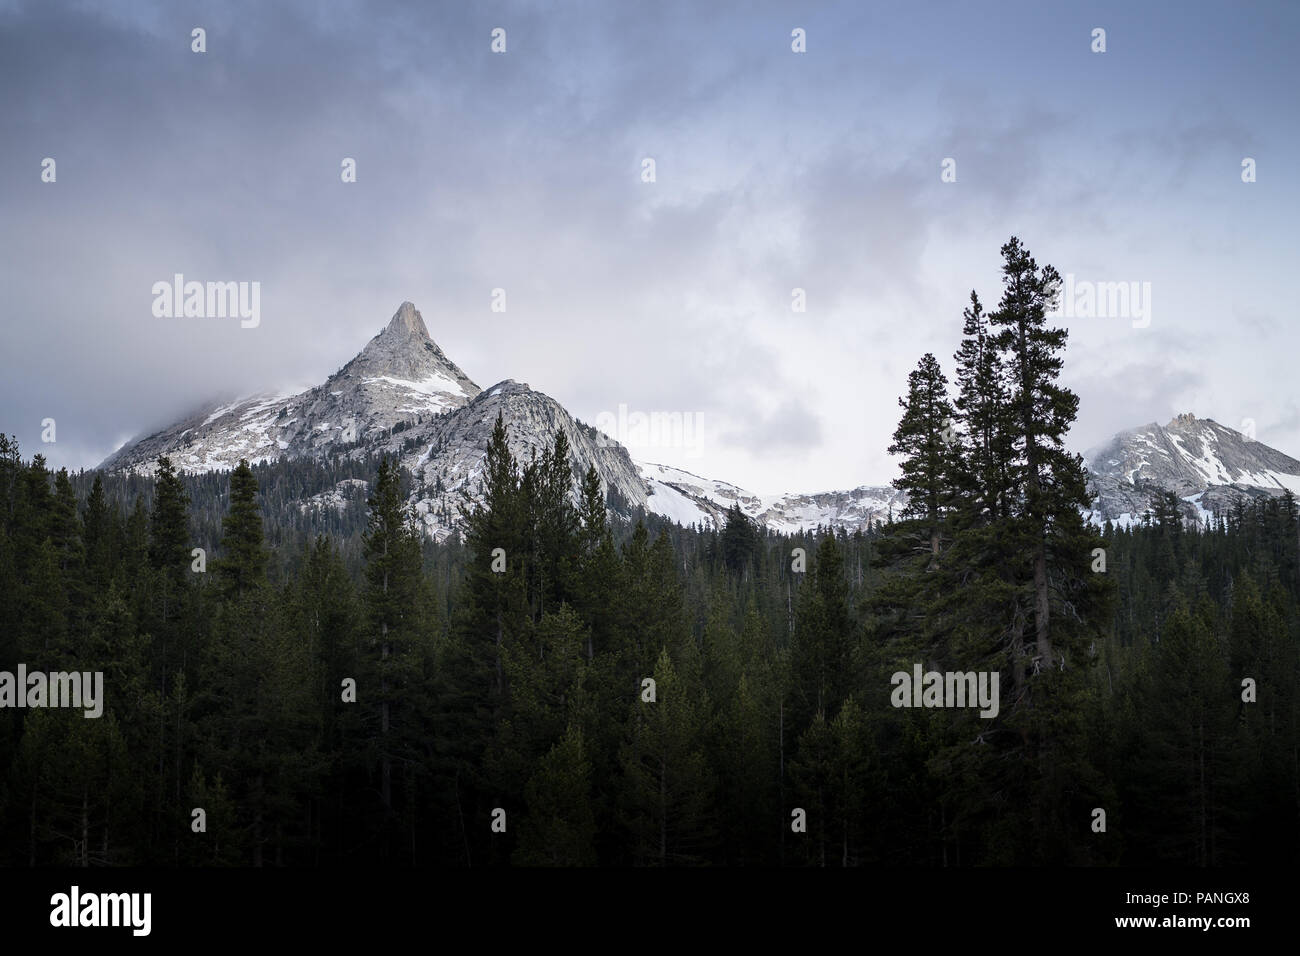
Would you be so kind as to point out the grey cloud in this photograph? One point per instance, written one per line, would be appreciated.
(791, 427)
(521, 171)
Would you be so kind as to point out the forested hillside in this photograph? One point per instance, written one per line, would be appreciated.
(330, 687)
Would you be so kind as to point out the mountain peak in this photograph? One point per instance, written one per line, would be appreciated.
(1204, 463)
(407, 323)
(404, 351)
(509, 386)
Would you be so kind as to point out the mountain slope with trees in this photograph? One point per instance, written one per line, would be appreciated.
(566, 686)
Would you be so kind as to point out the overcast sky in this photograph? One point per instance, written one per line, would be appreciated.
(523, 171)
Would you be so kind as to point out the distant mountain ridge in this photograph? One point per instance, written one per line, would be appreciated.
(399, 375)
(401, 395)
(1207, 465)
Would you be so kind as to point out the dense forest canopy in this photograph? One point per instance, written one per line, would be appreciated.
(563, 687)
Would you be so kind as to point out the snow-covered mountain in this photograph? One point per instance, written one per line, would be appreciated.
(688, 498)
(403, 396)
(400, 376)
(1201, 461)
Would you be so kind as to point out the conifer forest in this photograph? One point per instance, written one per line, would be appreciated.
(565, 685)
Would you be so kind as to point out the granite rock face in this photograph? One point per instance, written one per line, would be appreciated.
(1207, 465)
(401, 376)
(401, 395)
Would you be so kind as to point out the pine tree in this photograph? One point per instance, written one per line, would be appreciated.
(496, 537)
(739, 540)
(98, 522)
(597, 564)
(33, 511)
(985, 451)
(1048, 482)
(66, 530)
(558, 527)
(545, 673)
(393, 602)
(256, 726)
(169, 525)
(823, 655)
(169, 556)
(1048, 551)
(559, 828)
(593, 518)
(667, 781)
(45, 632)
(1187, 743)
(854, 781)
(242, 566)
(135, 543)
(323, 613)
(926, 438)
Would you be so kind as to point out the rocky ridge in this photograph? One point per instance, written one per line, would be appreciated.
(401, 395)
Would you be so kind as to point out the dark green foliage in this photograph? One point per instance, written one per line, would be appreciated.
(242, 567)
(559, 828)
(506, 670)
(739, 540)
(764, 702)
(926, 440)
(169, 531)
(393, 658)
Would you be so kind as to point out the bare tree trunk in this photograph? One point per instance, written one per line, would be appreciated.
(1042, 608)
(1018, 651)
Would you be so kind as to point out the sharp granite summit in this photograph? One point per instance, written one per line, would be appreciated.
(402, 396)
